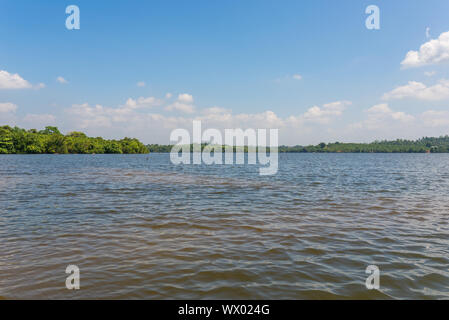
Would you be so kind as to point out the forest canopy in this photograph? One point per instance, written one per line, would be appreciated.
(51, 140)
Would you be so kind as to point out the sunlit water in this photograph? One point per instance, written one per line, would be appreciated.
(139, 227)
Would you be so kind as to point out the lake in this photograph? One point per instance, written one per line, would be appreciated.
(138, 226)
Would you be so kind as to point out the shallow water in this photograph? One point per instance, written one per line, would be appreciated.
(139, 227)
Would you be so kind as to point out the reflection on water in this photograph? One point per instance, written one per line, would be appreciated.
(139, 227)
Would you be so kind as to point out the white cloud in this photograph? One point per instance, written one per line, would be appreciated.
(313, 126)
(297, 77)
(337, 106)
(141, 84)
(215, 110)
(326, 112)
(418, 90)
(183, 104)
(7, 107)
(61, 80)
(384, 123)
(122, 121)
(168, 95)
(179, 106)
(142, 102)
(430, 73)
(428, 32)
(434, 118)
(127, 120)
(432, 52)
(185, 97)
(383, 111)
(266, 119)
(381, 122)
(86, 116)
(12, 81)
(380, 108)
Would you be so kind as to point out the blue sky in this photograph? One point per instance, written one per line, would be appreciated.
(310, 68)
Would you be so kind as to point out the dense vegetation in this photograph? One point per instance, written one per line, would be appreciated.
(424, 145)
(50, 140)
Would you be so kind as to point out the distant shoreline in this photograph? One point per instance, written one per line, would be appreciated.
(51, 141)
(423, 145)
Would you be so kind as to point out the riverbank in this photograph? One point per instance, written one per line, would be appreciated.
(424, 145)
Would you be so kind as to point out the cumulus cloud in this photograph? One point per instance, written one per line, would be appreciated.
(383, 110)
(269, 119)
(185, 97)
(430, 73)
(85, 115)
(432, 52)
(132, 112)
(215, 110)
(325, 113)
(142, 102)
(182, 107)
(13, 81)
(61, 80)
(141, 84)
(418, 90)
(434, 118)
(379, 108)
(382, 122)
(128, 120)
(7, 107)
(314, 125)
(183, 104)
(297, 77)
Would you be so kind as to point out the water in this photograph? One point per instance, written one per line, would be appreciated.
(139, 227)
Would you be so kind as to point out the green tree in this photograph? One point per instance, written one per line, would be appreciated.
(6, 140)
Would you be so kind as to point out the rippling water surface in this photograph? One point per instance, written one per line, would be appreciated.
(139, 227)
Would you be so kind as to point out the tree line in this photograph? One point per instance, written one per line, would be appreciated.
(51, 140)
(423, 145)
